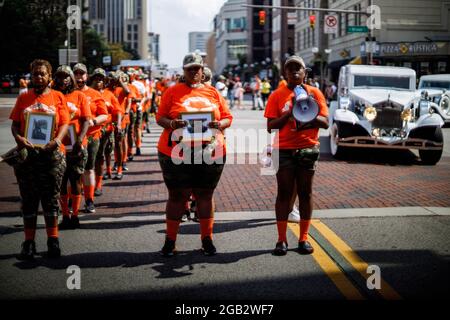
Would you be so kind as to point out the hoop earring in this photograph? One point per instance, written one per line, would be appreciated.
(203, 77)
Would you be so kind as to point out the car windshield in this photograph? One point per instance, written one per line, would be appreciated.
(435, 85)
(381, 82)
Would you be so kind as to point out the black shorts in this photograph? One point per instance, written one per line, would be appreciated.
(201, 176)
(305, 158)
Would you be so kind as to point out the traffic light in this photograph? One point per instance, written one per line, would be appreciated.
(312, 21)
(262, 17)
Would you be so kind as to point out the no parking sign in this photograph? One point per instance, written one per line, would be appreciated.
(331, 23)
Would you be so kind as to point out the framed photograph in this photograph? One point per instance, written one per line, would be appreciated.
(71, 137)
(197, 126)
(40, 128)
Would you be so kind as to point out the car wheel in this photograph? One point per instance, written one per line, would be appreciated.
(431, 157)
(336, 150)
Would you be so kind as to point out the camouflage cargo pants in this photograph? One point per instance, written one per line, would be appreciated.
(39, 179)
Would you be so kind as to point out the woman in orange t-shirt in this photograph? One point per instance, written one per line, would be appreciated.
(40, 175)
(80, 114)
(191, 168)
(298, 149)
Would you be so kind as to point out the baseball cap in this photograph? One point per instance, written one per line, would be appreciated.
(295, 59)
(80, 66)
(221, 77)
(99, 72)
(192, 59)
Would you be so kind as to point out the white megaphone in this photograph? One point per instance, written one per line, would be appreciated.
(306, 108)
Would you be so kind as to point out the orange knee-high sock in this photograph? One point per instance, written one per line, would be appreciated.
(119, 169)
(172, 229)
(109, 169)
(304, 227)
(98, 182)
(206, 227)
(91, 192)
(51, 225)
(282, 228)
(76, 202)
(64, 202)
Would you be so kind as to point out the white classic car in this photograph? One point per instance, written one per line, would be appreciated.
(378, 107)
(437, 89)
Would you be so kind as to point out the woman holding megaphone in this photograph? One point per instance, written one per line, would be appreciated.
(297, 144)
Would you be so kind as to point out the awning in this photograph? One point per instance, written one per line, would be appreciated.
(337, 64)
(356, 60)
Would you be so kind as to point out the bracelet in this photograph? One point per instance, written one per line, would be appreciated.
(171, 121)
(58, 142)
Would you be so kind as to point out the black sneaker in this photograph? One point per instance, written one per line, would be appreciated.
(130, 158)
(168, 250)
(195, 218)
(193, 206)
(280, 248)
(53, 248)
(98, 192)
(118, 176)
(208, 247)
(89, 206)
(75, 222)
(124, 167)
(28, 250)
(115, 166)
(304, 247)
(65, 223)
(138, 151)
(107, 176)
(148, 129)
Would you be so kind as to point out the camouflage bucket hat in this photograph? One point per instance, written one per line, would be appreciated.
(192, 59)
(208, 74)
(99, 72)
(66, 70)
(80, 66)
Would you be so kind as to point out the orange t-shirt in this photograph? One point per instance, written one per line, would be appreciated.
(288, 137)
(52, 102)
(282, 83)
(135, 94)
(78, 108)
(113, 106)
(123, 99)
(182, 98)
(98, 107)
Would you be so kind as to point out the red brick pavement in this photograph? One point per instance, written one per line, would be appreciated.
(337, 184)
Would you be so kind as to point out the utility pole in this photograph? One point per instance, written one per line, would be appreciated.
(79, 32)
(68, 39)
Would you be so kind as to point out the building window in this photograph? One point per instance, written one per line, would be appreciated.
(236, 48)
(358, 16)
(129, 28)
(135, 28)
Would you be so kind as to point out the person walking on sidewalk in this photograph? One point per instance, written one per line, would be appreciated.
(298, 149)
(182, 174)
(106, 145)
(39, 176)
(265, 90)
(76, 157)
(99, 114)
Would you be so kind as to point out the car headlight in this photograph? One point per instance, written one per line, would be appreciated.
(424, 106)
(406, 115)
(370, 113)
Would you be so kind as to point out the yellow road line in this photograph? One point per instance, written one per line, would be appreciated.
(331, 269)
(386, 291)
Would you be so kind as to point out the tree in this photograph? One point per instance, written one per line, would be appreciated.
(118, 53)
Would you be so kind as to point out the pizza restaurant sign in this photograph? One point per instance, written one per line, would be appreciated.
(408, 48)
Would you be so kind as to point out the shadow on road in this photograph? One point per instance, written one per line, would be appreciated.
(376, 156)
(133, 183)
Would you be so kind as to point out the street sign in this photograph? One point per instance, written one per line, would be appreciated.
(73, 56)
(107, 60)
(331, 23)
(357, 29)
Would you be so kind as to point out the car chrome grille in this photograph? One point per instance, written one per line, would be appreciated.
(388, 118)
